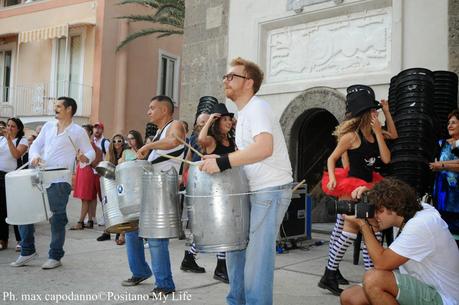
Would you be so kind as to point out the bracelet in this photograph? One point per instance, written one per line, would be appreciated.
(223, 163)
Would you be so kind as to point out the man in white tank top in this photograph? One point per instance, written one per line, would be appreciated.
(160, 112)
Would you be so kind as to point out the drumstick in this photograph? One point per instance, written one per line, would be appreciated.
(178, 159)
(298, 185)
(23, 165)
(73, 144)
(188, 145)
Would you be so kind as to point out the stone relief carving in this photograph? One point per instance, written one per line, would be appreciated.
(355, 43)
(298, 4)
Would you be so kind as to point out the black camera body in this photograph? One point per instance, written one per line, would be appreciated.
(361, 209)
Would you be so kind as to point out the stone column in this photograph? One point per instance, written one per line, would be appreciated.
(204, 55)
(453, 37)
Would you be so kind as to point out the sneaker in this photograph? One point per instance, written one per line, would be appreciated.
(51, 264)
(134, 281)
(159, 293)
(146, 245)
(104, 236)
(23, 260)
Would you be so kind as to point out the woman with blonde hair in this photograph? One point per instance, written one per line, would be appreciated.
(361, 142)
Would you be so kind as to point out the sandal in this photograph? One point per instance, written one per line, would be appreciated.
(89, 224)
(3, 244)
(120, 241)
(78, 226)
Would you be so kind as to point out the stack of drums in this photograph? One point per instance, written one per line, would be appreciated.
(445, 99)
(413, 108)
(218, 209)
(206, 105)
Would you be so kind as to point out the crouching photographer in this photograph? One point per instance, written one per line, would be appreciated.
(424, 252)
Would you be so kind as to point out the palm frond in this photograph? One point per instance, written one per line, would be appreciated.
(146, 32)
(150, 3)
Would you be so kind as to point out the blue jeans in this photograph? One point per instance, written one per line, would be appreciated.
(136, 255)
(251, 271)
(58, 196)
(161, 263)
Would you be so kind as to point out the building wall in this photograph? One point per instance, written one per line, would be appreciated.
(142, 59)
(205, 48)
(453, 38)
(411, 41)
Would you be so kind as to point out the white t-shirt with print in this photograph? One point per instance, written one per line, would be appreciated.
(255, 118)
(7, 162)
(432, 252)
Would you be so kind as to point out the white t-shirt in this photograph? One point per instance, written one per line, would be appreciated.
(168, 163)
(432, 252)
(7, 162)
(255, 118)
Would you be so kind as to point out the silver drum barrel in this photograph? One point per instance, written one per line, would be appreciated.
(129, 177)
(218, 209)
(115, 222)
(159, 217)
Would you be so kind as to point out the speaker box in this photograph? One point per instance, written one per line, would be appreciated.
(297, 219)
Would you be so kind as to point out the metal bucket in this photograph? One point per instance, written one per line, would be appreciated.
(106, 169)
(115, 222)
(129, 177)
(218, 209)
(159, 217)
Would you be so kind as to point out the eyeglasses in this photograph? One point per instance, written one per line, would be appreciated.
(229, 77)
(117, 141)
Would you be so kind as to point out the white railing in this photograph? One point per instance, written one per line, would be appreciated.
(38, 100)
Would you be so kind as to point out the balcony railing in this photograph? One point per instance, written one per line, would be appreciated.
(39, 100)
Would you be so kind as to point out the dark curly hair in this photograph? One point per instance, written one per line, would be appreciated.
(395, 195)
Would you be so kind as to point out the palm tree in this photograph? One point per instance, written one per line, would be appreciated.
(168, 18)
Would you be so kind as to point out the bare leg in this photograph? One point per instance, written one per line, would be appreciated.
(84, 209)
(354, 295)
(380, 287)
(92, 209)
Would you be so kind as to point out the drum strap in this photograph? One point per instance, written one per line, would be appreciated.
(175, 153)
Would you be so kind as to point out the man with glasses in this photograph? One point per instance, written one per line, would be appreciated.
(264, 157)
(58, 145)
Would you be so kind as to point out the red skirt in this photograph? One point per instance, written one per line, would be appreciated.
(86, 184)
(345, 184)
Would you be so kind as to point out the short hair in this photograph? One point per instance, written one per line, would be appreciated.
(69, 102)
(253, 71)
(165, 99)
(395, 195)
(89, 128)
(454, 113)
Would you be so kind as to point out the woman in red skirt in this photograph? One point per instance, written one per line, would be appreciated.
(87, 186)
(361, 142)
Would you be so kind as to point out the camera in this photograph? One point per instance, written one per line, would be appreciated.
(361, 209)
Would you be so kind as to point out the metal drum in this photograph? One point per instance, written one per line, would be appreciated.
(26, 196)
(218, 209)
(129, 177)
(115, 222)
(106, 169)
(159, 217)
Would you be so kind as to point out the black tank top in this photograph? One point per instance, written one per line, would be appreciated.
(221, 149)
(362, 159)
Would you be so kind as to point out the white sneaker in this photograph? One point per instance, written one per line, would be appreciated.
(146, 245)
(23, 260)
(51, 264)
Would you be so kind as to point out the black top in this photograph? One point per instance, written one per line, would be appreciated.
(221, 149)
(362, 159)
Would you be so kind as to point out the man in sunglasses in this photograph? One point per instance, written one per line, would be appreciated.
(264, 157)
(160, 111)
(58, 145)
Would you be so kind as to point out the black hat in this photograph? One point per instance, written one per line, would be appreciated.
(221, 108)
(359, 102)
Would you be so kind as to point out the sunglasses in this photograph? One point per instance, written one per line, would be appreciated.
(229, 77)
(117, 141)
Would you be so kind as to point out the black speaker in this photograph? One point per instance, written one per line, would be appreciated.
(297, 219)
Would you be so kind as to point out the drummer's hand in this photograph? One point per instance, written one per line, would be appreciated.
(209, 165)
(36, 162)
(142, 152)
(81, 157)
